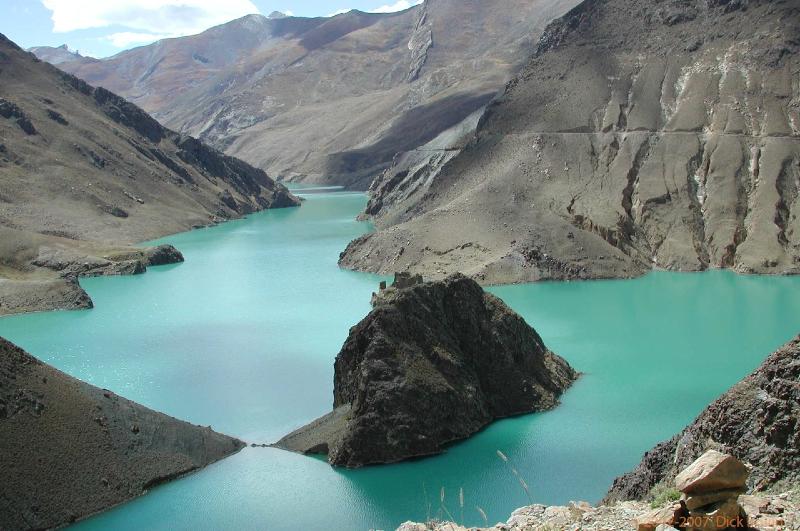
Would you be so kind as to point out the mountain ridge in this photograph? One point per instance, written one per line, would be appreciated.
(329, 99)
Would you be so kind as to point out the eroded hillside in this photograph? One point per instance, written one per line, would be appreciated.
(661, 135)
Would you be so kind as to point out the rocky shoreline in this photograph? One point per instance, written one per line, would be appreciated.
(432, 363)
(47, 269)
(709, 495)
(765, 512)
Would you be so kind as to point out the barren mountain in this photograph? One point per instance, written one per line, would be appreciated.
(329, 98)
(660, 134)
(84, 174)
(58, 55)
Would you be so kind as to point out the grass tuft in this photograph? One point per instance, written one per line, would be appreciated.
(663, 494)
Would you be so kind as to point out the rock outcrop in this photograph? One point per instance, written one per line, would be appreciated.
(432, 363)
(25, 296)
(69, 450)
(755, 421)
(84, 174)
(163, 255)
(328, 99)
(640, 135)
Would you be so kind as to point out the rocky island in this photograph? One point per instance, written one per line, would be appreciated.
(432, 363)
(69, 449)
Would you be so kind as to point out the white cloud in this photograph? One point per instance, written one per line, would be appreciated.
(397, 6)
(127, 38)
(288, 12)
(159, 18)
(400, 5)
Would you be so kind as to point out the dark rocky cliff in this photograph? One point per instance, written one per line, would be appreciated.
(755, 421)
(431, 364)
(69, 449)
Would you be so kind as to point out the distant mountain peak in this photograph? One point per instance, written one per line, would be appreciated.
(277, 14)
(56, 55)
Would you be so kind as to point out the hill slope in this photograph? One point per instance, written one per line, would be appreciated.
(329, 98)
(84, 174)
(660, 135)
(69, 449)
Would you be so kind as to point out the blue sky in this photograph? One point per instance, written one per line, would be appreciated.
(100, 28)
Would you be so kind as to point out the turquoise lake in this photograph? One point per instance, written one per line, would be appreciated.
(242, 337)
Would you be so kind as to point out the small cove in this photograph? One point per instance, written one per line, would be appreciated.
(243, 335)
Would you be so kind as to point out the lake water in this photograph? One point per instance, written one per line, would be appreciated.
(243, 335)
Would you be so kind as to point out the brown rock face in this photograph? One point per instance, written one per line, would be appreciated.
(713, 471)
(696, 501)
(431, 364)
(659, 518)
(69, 449)
(755, 421)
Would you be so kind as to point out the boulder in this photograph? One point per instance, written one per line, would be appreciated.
(765, 512)
(163, 255)
(431, 364)
(716, 517)
(707, 498)
(665, 516)
(713, 471)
